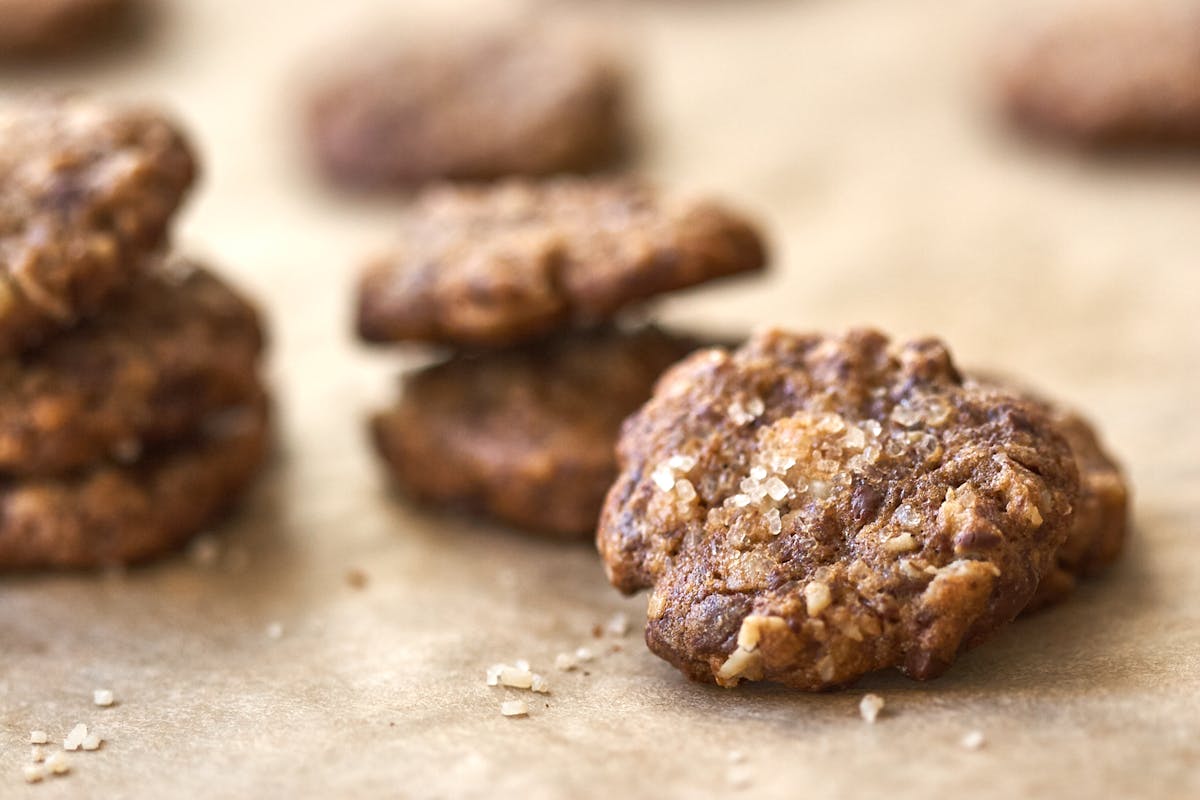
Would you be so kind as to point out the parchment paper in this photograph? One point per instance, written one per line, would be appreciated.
(859, 130)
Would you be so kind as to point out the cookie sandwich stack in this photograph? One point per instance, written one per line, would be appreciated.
(131, 411)
(526, 280)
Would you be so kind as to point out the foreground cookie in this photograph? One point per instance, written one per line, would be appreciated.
(1100, 521)
(172, 348)
(86, 190)
(532, 102)
(29, 27)
(114, 514)
(809, 509)
(1106, 75)
(527, 435)
(493, 266)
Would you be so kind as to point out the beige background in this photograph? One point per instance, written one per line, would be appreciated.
(859, 131)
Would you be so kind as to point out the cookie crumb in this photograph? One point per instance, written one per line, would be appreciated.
(33, 773)
(618, 624)
(58, 764)
(539, 684)
(38, 737)
(870, 706)
(514, 708)
(75, 737)
(584, 655)
(103, 697)
(37, 754)
(565, 662)
(736, 756)
(92, 741)
(973, 740)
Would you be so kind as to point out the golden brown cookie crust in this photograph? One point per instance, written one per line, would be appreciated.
(1108, 75)
(171, 348)
(526, 436)
(808, 509)
(491, 266)
(122, 514)
(86, 190)
(533, 101)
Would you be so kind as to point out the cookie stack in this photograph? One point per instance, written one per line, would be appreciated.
(131, 412)
(526, 280)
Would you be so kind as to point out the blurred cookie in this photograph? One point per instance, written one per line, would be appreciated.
(30, 27)
(526, 435)
(86, 189)
(809, 509)
(491, 266)
(533, 101)
(1109, 74)
(172, 348)
(119, 514)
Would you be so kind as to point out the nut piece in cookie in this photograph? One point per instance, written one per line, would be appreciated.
(35, 27)
(86, 190)
(526, 435)
(170, 349)
(1106, 75)
(121, 514)
(491, 266)
(852, 506)
(533, 101)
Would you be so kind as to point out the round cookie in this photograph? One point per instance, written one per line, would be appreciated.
(120, 514)
(32, 27)
(1109, 75)
(86, 189)
(527, 435)
(172, 348)
(533, 101)
(809, 509)
(490, 266)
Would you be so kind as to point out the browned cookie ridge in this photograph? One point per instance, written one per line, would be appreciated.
(496, 265)
(120, 514)
(525, 435)
(808, 509)
(1109, 74)
(533, 101)
(171, 348)
(86, 189)
(32, 27)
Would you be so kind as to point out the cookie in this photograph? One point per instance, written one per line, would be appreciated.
(1103, 76)
(471, 107)
(172, 348)
(809, 509)
(86, 189)
(120, 514)
(525, 435)
(32, 27)
(1100, 522)
(491, 266)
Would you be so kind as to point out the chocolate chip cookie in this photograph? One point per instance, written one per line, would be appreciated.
(472, 107)
(173, 347)
(29, 27)
(1109, 75)
(525, 435)
(86, 189)
(118, 514)
(490, 266)
(808, 509)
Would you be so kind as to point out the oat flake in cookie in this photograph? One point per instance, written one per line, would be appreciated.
(86, 190)
(171, 348)
(491, 266)
(808, 509)
(532, 101)
(1108, 74)
(525, 435)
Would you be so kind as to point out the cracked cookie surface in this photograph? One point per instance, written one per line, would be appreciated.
(809, 509)
(86, 190)
(525, 435)
(490, 266)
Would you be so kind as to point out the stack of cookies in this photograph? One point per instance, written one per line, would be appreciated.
(131, 412)
(526, 280)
